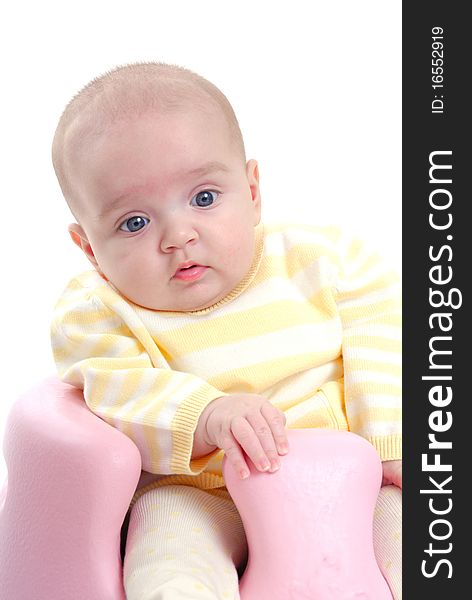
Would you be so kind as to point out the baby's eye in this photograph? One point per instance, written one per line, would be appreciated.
(204, 199)
(134, 224)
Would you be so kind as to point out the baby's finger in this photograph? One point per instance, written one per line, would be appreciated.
(276, 420)
(266, 439)
(248, 440)
(235, 456)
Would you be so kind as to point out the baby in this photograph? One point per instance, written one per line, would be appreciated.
(201, 332)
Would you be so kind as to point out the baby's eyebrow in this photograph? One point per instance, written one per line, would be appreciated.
(210, 167)
(113, 205)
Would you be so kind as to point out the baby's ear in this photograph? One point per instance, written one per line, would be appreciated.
(252, 173)
(80, 239)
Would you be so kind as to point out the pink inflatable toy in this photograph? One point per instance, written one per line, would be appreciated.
(309, 525)
(71, 478)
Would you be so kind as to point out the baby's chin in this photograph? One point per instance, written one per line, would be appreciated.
(180, 296)
(181, 304)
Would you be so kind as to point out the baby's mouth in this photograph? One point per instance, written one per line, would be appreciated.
(189, 271)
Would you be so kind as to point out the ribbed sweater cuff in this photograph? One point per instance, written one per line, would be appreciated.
(389, 447)
(183, 428)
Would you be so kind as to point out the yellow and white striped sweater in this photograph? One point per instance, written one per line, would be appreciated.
(314, 326)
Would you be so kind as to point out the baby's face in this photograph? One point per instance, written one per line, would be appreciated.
(167, 209)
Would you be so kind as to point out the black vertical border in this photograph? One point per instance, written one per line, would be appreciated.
(425, 132)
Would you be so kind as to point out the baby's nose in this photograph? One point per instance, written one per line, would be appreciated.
(178, 235)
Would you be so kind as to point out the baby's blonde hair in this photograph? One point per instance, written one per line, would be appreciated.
(131, 90)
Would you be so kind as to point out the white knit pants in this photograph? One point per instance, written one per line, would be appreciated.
(187, 544)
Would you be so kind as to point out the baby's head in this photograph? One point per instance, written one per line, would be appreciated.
(151, 161)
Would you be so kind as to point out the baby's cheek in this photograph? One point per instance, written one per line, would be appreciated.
(243, 248)
(124, 272)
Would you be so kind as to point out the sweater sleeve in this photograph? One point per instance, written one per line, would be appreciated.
(103, 348)
(369, 303)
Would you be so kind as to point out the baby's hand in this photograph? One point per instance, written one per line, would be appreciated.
(249, 423)
(392, 472)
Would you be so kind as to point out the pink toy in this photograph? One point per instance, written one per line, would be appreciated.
(309, 525)
(72, 476)
(70, 480)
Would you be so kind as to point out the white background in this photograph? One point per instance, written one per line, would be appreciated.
(316, 87)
